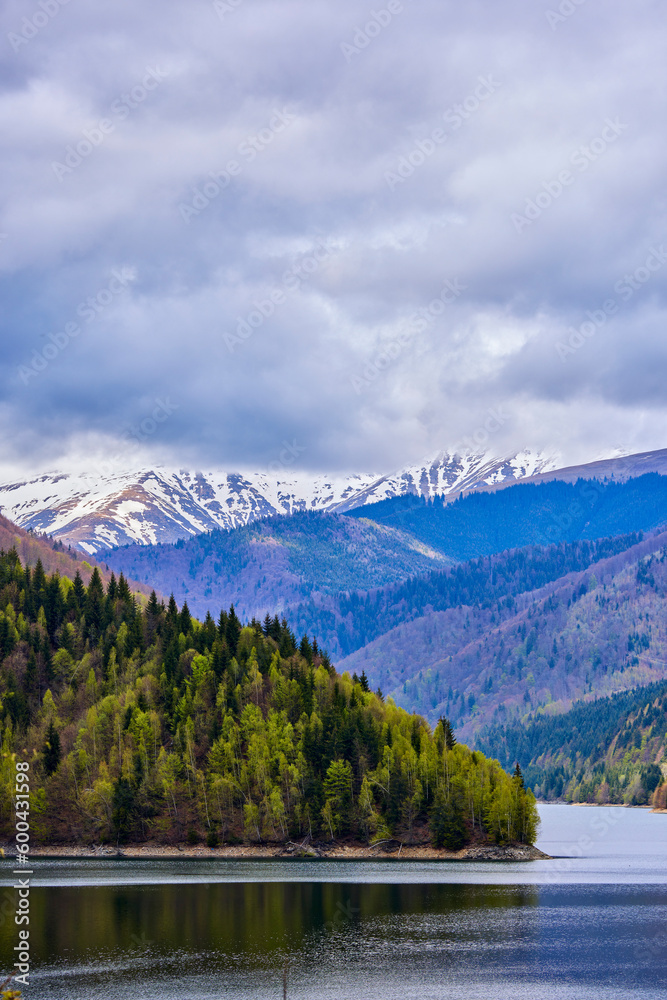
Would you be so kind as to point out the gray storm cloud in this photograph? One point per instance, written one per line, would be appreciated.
(359, 226)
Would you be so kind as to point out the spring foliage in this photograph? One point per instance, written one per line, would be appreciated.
(609, 750)
(142, 722)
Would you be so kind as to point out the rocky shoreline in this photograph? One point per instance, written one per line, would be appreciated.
(389, 850)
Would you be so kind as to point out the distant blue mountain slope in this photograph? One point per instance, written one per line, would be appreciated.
(275, 564)
(527, 514)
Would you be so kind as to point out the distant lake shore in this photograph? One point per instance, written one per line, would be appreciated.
(599, 805)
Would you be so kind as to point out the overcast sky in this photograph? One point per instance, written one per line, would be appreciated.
(370, 229)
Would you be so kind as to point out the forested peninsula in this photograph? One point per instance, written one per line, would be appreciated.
(142, 724)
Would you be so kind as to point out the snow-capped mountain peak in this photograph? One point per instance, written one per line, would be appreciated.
(96, 512)
(444, 474)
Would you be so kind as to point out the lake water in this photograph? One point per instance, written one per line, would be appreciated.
(592, 923)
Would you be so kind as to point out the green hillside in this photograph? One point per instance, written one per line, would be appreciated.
(144, 723)
(608, 750)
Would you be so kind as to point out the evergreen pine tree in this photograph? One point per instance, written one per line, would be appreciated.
(233, 630)
(46, 660)
(136, 633)
(39, 583)
(447, 733)
(153, 608)
(185, 619)
(124, 594)
(209, 634)
(122, 806)
(94, 605)
(446, 821)
(29, 608)
(220, 657)
(222, 625)
(30, 677)
(79, 592)
(51, 751)
(54, 605)
(287, 642)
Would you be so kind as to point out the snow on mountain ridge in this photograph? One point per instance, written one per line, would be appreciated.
(95, 512)
(444, 474)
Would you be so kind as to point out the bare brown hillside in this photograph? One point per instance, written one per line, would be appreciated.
(55, 558)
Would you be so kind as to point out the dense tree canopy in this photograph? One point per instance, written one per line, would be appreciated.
(142, 722)
(350, 620)
(602, 751)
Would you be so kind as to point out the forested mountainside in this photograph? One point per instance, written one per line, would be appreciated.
(271, 566)
(55, 557)
(142, 722)
(609, 750)
(599, 631)
(315, 567)
(526, 514)
(349, 621)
